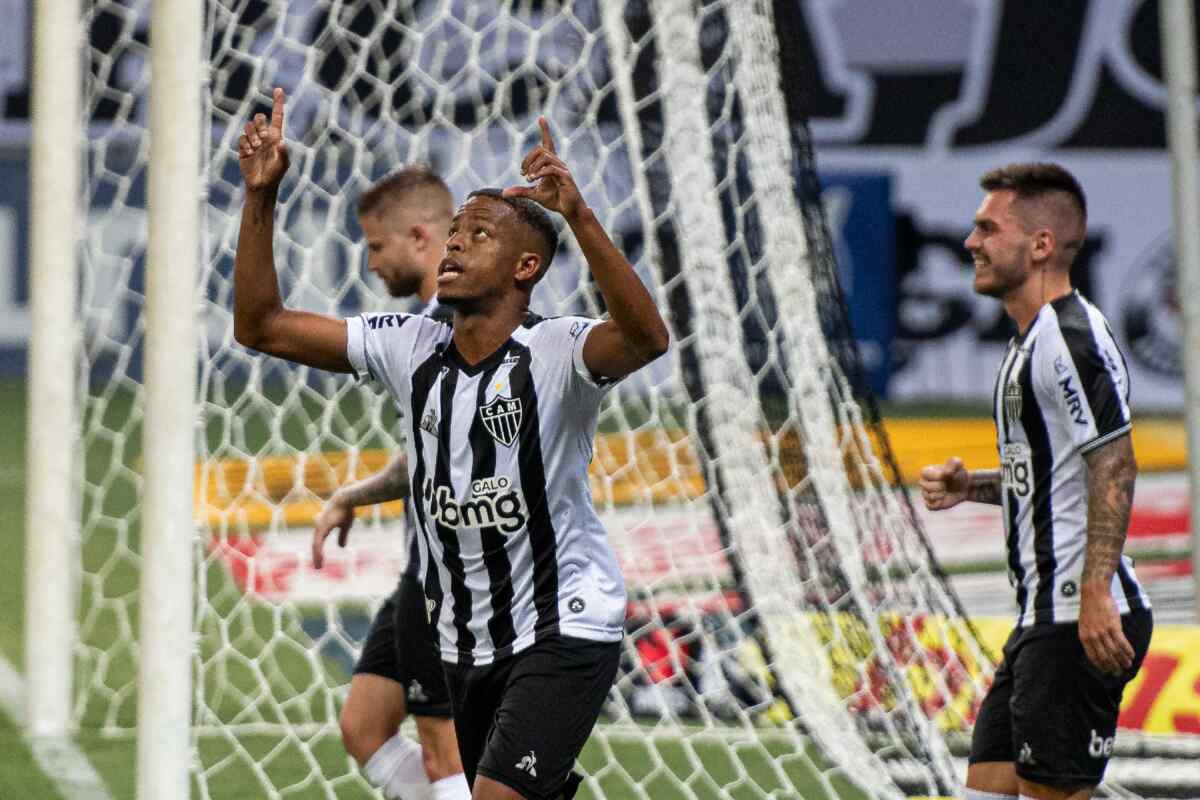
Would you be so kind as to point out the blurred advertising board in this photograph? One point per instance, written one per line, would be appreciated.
(923, 95)
(949, 342)
(934, 94)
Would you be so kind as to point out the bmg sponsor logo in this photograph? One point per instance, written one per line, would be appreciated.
(1015, 473)
(494, 503)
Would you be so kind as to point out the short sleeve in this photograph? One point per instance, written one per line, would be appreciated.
(379, 346)
(356, 348)
(1088, 385)
(580, 329)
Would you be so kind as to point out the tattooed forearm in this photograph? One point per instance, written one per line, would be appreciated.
(1112, 470)
(389, 484)
(984, 486)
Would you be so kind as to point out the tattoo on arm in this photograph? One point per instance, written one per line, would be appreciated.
(1112, 470)
(391, 483)
(984, 486)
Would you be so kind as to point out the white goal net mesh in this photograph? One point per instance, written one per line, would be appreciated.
(788, 634)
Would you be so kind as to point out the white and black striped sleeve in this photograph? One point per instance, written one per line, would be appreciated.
(378, 346)
(580, 328)
(1091, 384)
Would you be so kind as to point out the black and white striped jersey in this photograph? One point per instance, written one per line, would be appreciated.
(1063, 390)
(412, 568)
(497, 457)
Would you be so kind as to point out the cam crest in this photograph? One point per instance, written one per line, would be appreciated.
(1012, 402)
(502, 419)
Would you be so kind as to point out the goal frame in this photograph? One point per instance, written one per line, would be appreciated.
(166, 647)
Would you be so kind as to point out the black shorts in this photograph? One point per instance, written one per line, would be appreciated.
(1050, 710)
(522, 721)
(400, 646)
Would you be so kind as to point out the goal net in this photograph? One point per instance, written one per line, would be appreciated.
(789, 634)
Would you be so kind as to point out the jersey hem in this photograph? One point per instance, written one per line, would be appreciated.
(479, 659)
(1071, 615)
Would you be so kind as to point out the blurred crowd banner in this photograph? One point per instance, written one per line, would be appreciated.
(909, 103)
(932, 94)
(1164, 697)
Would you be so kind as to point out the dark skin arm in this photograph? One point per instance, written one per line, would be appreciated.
(1111, 472)
(636, 334)
(260, 320)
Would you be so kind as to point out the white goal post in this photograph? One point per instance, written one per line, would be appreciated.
(169, 435)
(51, 518)
(789, 633)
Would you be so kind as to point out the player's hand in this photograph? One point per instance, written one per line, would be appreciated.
(262, 153)
(944, 485)
(553, 187)
(333, 516)
(1100, 632)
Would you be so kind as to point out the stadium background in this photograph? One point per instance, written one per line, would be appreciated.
(905, 116)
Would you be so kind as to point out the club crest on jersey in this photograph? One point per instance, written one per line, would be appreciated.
(502, 419)
(1012, 402)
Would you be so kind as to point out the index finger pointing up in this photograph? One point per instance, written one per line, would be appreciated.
(277, 111)
(547, 142)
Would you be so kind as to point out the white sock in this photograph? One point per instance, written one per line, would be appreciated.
(452, 788)
(397, 769)
(975, 794)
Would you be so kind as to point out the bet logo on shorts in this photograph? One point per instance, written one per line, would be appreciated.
(1100, 747)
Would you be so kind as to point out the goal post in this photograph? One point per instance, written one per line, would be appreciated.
(51, 501)
(787, 635)
(174, 197)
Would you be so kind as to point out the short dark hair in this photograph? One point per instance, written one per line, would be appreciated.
(530, 213)
(1032, 181)
(408, 181)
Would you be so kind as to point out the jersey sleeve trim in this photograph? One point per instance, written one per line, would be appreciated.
(1103, 439)
(356, 348)
(581, 368)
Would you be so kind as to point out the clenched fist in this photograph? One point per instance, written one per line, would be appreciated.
(944, 485)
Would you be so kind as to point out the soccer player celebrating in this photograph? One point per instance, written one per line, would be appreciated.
(1061, 407)
(404, 218)
(520, 580)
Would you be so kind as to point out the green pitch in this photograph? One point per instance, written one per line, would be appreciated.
(247, 635)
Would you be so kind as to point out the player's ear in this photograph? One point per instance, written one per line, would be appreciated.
(529, 267)
(420, 236)
(1043, 245)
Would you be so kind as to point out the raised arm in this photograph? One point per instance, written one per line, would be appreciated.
(390, 483)
(1111, 472)
(260, 320)
(636, 334)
